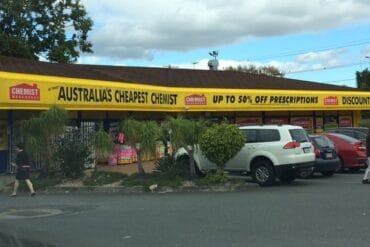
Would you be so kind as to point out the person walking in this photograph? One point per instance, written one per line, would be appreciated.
(23, 165)
(365, 179)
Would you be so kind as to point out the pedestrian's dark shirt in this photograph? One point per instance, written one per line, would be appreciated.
(22, 159)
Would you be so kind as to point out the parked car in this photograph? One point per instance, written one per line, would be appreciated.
(355, 132)
(270, 152)
(351, 151)
(327, 160)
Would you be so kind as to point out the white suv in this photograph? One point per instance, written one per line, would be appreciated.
(270, 152)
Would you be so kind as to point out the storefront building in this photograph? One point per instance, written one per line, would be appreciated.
(109, 93)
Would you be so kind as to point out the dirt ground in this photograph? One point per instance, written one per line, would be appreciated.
(127, 168)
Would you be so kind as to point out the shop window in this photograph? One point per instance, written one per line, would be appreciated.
(277, 120)
(345, 121)
(304, 122)
(330, 123)
(243, 121)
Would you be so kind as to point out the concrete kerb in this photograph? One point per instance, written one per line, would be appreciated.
(142, 189)
(6, 187)
(139, 189)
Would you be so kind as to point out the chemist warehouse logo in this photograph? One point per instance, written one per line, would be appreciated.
(195, 99)
(331, 100)
(24, 91)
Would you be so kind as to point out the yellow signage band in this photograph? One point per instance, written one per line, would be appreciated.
(26, 91)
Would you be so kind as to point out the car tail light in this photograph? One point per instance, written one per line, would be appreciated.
(291, 145)
(317, 152)
(359, 147)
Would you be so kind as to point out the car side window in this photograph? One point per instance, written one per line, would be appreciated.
(268, 135)
(348, 133)
(250, 135)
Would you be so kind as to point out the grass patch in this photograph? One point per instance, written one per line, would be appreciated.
(103, 178)
(152, 178)
(214, 178)
(38, 183)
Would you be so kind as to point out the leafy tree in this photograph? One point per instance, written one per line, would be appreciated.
(262, 70)
(363, 79)
(220, 143)
(142, 136)
(185, 133)
(56, 29)
(40, 134)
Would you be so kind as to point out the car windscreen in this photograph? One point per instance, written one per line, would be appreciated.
(299, 135)
(323, 141)
(346, 138)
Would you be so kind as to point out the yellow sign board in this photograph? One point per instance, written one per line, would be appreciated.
(25, 91)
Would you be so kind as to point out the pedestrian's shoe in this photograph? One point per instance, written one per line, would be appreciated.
(365, 181)
(33, 193)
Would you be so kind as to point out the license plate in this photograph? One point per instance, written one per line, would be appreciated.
(306, 150)
(329, 155)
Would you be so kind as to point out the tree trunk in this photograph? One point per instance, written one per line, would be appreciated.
(191, 161)
(140, 168)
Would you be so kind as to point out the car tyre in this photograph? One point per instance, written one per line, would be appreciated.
(263, 172)
(341, 166)
(199, 172)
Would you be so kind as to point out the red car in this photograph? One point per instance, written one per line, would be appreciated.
(351, 151)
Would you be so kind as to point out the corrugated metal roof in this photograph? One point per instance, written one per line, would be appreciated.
(172, 77)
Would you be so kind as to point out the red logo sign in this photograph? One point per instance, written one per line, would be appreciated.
(195, 99)
(331, 100)
(24, 92)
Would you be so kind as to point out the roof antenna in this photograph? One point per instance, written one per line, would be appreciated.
(213, 63)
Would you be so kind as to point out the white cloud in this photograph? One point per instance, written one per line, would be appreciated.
(136, 29)
(321, 60)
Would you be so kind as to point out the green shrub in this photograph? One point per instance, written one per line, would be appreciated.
(170, 167)
(72, 157)
(221, 142)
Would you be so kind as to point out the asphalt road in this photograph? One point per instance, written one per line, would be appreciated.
(317, 212)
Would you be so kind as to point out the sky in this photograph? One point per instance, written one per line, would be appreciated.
(314, 40)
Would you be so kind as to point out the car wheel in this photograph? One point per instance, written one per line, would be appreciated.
(199, 173)
(287, 177)
(327, 173)
(185, 160)
(341, 166)
(305, 174)
(263, 172)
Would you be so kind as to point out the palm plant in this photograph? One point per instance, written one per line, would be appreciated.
(103, 145)
(141, 136)
(41, 132)
(185, 133)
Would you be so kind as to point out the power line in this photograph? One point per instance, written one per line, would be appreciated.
(349, 79)
(324, 68)
(303, 51)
